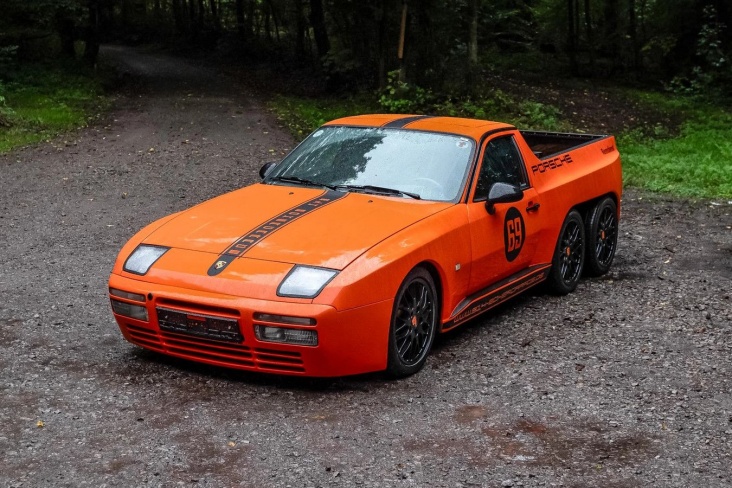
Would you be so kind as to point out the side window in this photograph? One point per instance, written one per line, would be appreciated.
(502, 163)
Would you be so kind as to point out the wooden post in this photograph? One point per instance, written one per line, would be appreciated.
(402, 36)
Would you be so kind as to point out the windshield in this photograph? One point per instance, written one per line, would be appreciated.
(405, 163)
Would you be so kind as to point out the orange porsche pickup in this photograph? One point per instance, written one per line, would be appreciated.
(372, 236)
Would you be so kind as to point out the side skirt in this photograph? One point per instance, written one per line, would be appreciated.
(496, 294)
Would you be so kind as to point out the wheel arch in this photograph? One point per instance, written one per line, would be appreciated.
(436, 273)
(586, 207)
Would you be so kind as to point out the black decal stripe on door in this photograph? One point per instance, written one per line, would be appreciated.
(400, 123)
(494, 295)
(253, 237)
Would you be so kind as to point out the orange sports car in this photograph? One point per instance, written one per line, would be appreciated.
(372, 236)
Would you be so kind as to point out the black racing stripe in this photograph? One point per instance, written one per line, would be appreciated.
(399, 123)
(252, 238)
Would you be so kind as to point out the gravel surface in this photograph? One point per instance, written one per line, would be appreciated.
(624, 383)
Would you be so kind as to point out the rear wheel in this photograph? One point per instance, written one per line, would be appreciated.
(413, 324)
(569, 255)
(602, 237)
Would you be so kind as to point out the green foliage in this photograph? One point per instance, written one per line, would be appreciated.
(400, 97)
(694, 164)
(41, 101)
(714, 70)
(7, 58)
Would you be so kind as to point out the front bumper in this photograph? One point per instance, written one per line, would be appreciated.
(349, 342)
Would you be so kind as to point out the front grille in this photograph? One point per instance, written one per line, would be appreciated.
(192, 347)
(279, 360)
(228, 354)
(208, 326)
(144, 337)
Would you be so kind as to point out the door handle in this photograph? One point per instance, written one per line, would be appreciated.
(533, 207)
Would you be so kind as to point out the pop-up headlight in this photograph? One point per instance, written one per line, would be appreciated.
(305, 282)
(143, 257)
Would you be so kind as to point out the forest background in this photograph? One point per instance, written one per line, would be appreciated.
(657, 74)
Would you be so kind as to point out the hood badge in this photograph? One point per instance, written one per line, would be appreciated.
(220, 264)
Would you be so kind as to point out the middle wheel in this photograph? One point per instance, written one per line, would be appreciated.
(569, 255)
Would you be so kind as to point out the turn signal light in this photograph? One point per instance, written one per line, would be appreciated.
(128, 295)
(283, 319)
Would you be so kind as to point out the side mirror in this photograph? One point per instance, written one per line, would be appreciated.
(502, 193)
(264, 170)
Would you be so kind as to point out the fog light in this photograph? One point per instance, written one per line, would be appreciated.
(129, 310)
(286, 336)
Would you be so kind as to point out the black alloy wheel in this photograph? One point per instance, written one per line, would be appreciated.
(602, 237)
(413, 324)
(569, 255)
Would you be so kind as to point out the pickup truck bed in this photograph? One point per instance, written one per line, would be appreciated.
(547, 144)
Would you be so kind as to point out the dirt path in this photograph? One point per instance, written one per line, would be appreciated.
(625, 383)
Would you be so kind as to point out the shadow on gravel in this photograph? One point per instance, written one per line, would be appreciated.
(141, 366)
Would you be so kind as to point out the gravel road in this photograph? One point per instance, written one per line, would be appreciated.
(625, 383)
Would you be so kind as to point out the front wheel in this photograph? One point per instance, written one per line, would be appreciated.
(602, 237)
(413, 324)
(569, 255)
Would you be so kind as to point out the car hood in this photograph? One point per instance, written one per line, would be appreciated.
(289, 224)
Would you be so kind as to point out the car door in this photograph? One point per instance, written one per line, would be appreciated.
(503, 242)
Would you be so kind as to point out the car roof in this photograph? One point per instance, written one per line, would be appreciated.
(473, 128)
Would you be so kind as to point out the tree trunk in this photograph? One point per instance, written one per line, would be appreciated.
(317, 20)
(240, 19)
(91, 47)
(473, 42)
(180, 26)
(275, 20)
(267, 27)
(192, 17)
(299, 30)
(201, 12)
(402, 42)
(215, 14)
(250, 18)
(589, 34)
(382, 44)
(611, 30)
(572, 37)
(633, 33)
(65, 30)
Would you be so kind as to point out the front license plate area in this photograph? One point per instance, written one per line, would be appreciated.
(217, 328)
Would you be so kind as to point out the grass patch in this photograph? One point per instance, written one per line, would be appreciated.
(42, 101)
(301, 116)
(697, 163)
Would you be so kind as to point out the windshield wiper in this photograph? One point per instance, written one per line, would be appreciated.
(380, 189)
(303, 181)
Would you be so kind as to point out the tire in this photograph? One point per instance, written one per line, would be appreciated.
(413, 327)
(601, 229)
(569, 256)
